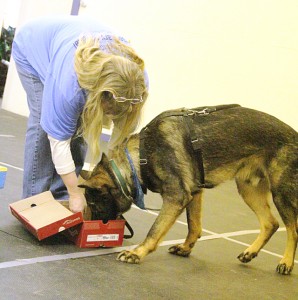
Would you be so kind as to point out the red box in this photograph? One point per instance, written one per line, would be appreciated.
(92, 234)
(44, 216)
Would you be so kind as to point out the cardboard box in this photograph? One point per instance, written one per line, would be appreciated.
(92, 234)
(44, 216)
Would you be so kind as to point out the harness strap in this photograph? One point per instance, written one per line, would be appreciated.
(198, 153)
(143, 159)
(187, 114)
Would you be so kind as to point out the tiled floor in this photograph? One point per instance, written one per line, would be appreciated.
(56, 269)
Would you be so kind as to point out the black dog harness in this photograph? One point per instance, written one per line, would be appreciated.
(189, 115)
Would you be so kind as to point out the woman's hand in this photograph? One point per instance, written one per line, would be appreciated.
(77, 202)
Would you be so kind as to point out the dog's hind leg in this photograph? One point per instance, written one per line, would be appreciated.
(256, 196)
(285, 200)
(194, 221)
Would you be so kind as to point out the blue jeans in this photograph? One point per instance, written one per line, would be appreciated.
(39, 171)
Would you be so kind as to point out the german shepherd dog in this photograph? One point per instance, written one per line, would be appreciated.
(181, 152)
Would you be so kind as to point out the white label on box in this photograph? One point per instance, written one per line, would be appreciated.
(102, 237)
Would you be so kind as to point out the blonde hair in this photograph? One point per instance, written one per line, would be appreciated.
(120, 72)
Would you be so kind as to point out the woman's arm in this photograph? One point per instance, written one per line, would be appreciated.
(65, 167)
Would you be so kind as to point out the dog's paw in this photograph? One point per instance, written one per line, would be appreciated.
(284, 269)
(246, 257)
(179, 250)
(129, 257)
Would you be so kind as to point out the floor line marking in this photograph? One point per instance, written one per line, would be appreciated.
(6, 136)
(177, 221)
(11, 166)
(226, 236)
(213, 235)
(75, 255)
(208, 231)
(102, 251)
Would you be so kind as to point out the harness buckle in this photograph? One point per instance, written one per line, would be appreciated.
(195, 143)
(143, 161)
(191, 112)
(204, 112)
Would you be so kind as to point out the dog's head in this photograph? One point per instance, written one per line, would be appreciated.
(102, 193)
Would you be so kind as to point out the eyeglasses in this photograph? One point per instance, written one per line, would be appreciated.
(123, 99)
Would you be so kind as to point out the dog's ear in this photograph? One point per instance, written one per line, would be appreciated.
(85, 174)
(100, 176)
(90, 183)
(105, 161)
(102, 164)
(98, 182)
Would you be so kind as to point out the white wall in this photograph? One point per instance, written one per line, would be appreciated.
(201, 52)
(18, 12)
(9, 12)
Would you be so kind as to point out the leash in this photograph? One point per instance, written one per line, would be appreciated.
(121, 183)
(126, 236)
(139, 194)
(137, 199)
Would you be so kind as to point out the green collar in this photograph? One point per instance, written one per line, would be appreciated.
(120, 181)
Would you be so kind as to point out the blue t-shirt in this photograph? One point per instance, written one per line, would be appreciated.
(45, 48)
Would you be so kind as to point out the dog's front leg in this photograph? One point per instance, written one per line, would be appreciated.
(166, 218)
(194, 221)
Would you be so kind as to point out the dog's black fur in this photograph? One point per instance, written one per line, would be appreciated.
(256, 149)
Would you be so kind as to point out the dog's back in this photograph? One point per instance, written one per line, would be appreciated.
(227, 138)
(249, 130)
